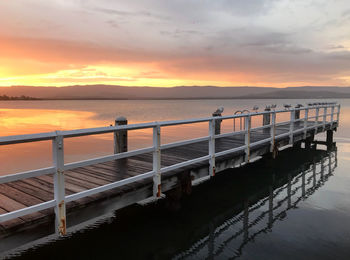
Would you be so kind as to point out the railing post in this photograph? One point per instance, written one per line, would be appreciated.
(212, 131)
(316, 119)
(324, 117)
(273, 131)
(217, 122)
(338, 113)
(305, 121)
(247, 126)
(332, 114)
(297, 114)
(59, 185)
(266, 119)
(121, 137)
(156, 162)
(291, 126)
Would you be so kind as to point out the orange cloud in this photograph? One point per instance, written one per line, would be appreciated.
(36, 61)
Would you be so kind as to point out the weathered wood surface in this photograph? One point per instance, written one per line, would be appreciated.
(28, 192)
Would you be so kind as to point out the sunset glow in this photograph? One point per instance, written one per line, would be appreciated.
(157, 43)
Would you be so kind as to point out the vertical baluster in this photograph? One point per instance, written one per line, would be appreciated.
(305, 121)
(332, 114)
(324, 117)
(212, 147)
(291, 126)
(273, 131)
(59, 185)
(338, 113)
(316, 119)
(156, 162)
(247, 126)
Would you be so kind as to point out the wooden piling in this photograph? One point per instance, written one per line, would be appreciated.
(267, 120)
(308, 142)
(121, 137)
(217, 123)
(329, 139)
(297, 114)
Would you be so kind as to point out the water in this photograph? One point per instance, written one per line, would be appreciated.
(228, 217)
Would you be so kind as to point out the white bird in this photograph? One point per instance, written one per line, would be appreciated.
(255, 108)
(287, 106)
(220, 110)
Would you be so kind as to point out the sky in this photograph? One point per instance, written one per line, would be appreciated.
(167, 43)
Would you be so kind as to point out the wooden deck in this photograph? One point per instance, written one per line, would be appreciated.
(28, 192)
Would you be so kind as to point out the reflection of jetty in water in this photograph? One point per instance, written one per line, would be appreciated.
(259, 215)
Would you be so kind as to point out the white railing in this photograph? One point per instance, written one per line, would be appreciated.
(59, 167)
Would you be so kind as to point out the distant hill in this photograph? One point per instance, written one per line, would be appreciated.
(5, 97)
(299, 94)
(180, 92)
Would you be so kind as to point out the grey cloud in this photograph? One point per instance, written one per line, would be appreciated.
(247, 7)
(335, 47)
(177, 33)
(257, 40)
(346, 13)
(113, 24)
(111, 11)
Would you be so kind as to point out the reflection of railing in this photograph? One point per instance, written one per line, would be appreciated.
(59, 166)
(305, 183)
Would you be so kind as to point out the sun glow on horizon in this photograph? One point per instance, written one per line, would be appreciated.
(134, 76)
(137, 43)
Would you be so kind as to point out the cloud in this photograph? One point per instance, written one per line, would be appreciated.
(256, 40)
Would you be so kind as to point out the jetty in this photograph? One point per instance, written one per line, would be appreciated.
(55, 193)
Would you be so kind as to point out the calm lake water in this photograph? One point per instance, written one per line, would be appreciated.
(294, 207)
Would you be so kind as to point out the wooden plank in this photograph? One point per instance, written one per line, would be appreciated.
(32, 190)
(41, 184)
(10, 223)
(69, 186)
(86, 178)
(9, 204)
(19, 196)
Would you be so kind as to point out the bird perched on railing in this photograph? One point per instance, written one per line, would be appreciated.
(310, 104)
(220, 110)
(273, 106)
(287, 106)
(255, 109)
(298, 105)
